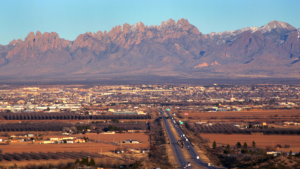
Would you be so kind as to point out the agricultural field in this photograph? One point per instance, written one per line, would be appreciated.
(97, 140)
(45, 155)
(257, 115)
(224, 128)
(106, 142)
(271, 130)
(262, 141)
(26, 153)
(28, 147)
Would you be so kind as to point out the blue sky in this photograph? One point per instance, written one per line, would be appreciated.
(69, 18)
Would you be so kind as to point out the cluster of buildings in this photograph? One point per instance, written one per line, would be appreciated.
(131, 142)
(38, 139)
(135, 99)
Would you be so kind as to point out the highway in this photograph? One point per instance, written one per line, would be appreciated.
(189, 147)
(173, 142)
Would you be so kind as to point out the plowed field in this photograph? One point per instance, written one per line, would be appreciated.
(252, 113)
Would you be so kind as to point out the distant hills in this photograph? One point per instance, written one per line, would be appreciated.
(172, 49)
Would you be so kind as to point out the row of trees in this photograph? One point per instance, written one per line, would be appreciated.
(46, 156)
(85, 162)
(57, 126)
(244, 148)
(33, 126)
(68, 116)
(123, 126)
(230, 129)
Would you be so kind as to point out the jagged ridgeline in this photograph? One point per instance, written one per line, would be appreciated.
(174, 48)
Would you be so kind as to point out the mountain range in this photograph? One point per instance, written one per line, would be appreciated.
(172, 49)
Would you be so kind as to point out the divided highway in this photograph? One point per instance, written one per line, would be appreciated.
(189, 147)
(180, 158)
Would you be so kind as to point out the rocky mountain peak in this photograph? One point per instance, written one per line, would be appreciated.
(36, 43)
(183, 21)
(227, 34)
(30, 36)
(15, 42)
(136, 26)
(38, 34)
(168, 23)
(276, 24)
(172, 46)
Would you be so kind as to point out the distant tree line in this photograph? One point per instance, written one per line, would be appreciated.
(61, 126)
(67, 116)
(53, 126)
(122, 126)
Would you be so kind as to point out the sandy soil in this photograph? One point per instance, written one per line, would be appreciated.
(260, 140)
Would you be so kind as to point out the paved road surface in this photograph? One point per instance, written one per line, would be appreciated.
(190, 148)
(173, 142)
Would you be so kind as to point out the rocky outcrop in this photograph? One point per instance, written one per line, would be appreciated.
(36, 44)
